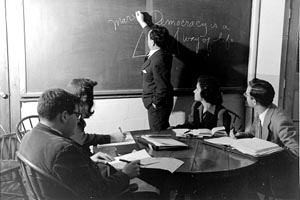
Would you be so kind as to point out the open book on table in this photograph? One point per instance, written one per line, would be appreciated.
(161, 143)
(252, 146)
(201, 132)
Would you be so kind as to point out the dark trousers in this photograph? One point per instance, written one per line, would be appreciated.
(159, 117)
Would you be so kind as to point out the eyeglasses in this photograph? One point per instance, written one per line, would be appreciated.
(78, 114)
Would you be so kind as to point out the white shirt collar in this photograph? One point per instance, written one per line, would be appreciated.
(151, 52)
(262, 116)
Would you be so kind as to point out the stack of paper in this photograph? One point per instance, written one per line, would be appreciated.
(146, 161)
(256, 146)
(252, 146)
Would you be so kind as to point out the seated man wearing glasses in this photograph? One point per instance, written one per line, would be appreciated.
(278, 177)
(49, 147)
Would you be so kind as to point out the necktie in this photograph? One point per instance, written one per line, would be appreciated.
(146, 57)
(259, 128)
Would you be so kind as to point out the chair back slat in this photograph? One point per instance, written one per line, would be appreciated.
(8, 146)
(236, 123)
(25, 125)
(2, 130)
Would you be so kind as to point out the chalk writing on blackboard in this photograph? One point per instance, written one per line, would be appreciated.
(200, 38)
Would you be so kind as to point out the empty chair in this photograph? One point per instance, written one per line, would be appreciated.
(25, 125)
(10, 179)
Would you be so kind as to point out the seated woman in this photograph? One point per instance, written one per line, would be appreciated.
(207, 110)
(84, 88)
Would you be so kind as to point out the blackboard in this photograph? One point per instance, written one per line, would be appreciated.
(101, 40)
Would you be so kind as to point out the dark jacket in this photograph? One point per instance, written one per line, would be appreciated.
(156, 70)
(197, 119)
(64, 159)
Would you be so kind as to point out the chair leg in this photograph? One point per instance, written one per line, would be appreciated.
(19, 179)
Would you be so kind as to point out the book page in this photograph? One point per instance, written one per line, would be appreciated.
(166, 163)
(218, 131)
(180, 132)
(221, 140)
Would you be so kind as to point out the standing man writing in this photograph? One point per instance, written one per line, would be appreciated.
(156, 70)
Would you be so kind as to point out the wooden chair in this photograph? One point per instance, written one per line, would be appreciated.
(25, 125)
(2, 131)
(11, 181)
(236, 122)
(36, 177)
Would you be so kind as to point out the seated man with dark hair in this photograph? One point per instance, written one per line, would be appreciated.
(279, 175)
(49, 147)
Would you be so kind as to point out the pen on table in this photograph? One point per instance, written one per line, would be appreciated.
(127, 161)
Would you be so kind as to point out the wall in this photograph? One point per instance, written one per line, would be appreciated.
(270, 42)
(131, 115)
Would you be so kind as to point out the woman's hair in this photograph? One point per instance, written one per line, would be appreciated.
(210, 90)
(84, 89)
(262, 91)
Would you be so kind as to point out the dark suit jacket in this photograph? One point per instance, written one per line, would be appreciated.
(156, 70)
(66, 160)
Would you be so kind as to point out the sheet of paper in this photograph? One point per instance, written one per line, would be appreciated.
(157, 141)
(137, 155)
(221, 140)
(128, 140)
(166, 163)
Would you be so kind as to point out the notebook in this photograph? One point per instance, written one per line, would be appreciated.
(161, 143)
